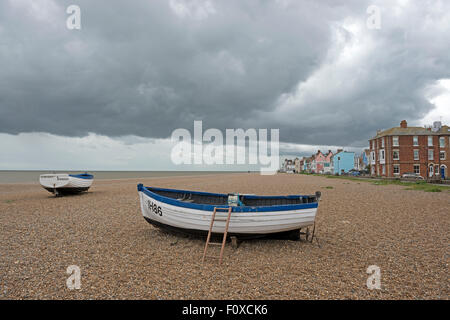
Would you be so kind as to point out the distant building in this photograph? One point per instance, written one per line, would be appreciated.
(297, 165)
(362, 160)
(288, 166)
(327, 168)
(319, 159)
(399, 150)
(301, 166)
(307, 163)
(343, 161)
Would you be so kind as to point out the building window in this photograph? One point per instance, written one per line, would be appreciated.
(416, 154)
(383, 169)
(396, 155)
(430, 154)
(381, 155)
(430, 141)
(442, 155)
(396, 169)
(417, 168)
(415, 140)
(442, 142)
(382, 142)
(395, 141)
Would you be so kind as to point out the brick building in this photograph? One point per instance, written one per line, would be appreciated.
(424, 151)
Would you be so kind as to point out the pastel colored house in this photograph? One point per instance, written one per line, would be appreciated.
(319, 159)
(343, 162)
(327, 168)
(307, 164)
(297, 164)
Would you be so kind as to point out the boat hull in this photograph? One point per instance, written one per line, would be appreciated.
(250, 223)
(64, 183)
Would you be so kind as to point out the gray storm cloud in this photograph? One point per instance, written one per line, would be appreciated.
(310, 68)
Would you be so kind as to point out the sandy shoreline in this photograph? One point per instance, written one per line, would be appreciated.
(359, 224)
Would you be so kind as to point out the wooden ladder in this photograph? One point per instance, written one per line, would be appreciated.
(224, 234)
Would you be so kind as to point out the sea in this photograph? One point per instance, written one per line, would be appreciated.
(33, 175)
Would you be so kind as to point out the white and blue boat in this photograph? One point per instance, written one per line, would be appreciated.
(191, 211)
(64, 183)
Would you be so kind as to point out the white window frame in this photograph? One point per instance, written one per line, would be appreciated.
(442, 152)
(442, 142)
(393, 154)
(395, 141)
(383, 169)
(396, 166)
(418, 154)
(430, 153)
(430, 141)
(415, 141)
(382, 142)
(414, 168)
(382, 155)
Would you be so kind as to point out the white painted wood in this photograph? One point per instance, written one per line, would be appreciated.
(241, 222)
(63, 180)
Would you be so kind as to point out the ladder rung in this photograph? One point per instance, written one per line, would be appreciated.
(224, 209)
(222, 244)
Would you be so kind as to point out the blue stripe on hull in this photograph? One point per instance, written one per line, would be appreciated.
(82, 176)
(207, 207)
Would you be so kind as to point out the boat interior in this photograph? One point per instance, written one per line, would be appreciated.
(223, 199)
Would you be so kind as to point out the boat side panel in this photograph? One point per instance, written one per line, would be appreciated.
(207, 207)
(240, 223)
(64, 183)
(54, 180)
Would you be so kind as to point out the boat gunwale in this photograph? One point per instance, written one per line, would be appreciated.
(208, 207)
(85, 176)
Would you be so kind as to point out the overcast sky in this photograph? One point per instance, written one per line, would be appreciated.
(108, 96)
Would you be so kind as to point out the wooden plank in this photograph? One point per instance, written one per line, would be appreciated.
(209, 234)
(225, 235)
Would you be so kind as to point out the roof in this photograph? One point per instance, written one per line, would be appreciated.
(412, 131)
(342, 151)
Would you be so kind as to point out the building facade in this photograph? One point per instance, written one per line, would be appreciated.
(297, 165)
(342, 162)
(288, 166)
(319, 161)
(419, 150)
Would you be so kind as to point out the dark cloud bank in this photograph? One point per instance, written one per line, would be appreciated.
(310, 68)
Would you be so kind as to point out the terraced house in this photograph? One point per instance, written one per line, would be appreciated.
(421, 150)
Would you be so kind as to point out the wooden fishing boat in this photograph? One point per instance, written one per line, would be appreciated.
(63, 183)
(251, 215)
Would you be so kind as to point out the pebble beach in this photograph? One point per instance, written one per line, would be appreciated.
(403, 232)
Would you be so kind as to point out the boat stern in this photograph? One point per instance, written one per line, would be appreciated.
(53, 181)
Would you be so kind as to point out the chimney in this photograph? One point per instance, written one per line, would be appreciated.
(403, 124)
